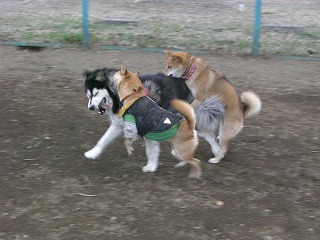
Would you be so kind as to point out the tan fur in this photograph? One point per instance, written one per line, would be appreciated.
(185, 141)
(206, 82)
(186, 110)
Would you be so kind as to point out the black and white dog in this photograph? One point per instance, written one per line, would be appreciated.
(100, 88)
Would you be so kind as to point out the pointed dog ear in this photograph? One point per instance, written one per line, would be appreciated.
(87, 73)
(100, 76)
(137, 74)
(169, 53)
(177, 59)
(174, 57)
(123, 70)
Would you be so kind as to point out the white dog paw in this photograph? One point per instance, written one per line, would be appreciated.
(92, 154)
(149, 168)
(214, 160)
(180, 164)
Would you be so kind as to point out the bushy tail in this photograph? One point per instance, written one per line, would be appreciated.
(185, 110)
(209, 115)
(251, 102)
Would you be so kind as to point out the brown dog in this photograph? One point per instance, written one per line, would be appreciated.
(205, 82)
(142, 116)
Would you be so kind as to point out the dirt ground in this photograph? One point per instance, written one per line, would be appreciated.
(266, 188)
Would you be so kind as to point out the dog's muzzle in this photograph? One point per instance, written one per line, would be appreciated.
(102, 107)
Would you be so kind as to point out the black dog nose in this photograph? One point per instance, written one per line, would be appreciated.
(92, 108)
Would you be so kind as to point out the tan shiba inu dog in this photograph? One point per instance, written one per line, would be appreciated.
(142, 116)
(205, 82)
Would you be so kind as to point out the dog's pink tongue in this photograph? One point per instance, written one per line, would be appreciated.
(105, 106)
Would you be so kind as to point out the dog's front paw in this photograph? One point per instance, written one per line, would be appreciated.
(149, 168)
(93, 154)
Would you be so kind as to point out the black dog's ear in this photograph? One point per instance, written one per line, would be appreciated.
(100, 76)
(87, 73)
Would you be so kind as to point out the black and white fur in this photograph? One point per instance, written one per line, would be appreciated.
(100, 88)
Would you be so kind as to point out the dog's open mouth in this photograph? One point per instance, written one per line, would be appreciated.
(103, 106)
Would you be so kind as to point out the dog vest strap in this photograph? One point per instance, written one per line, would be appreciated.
(125, 107)
(189, 71)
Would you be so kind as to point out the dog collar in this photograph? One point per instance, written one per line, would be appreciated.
(189, 71)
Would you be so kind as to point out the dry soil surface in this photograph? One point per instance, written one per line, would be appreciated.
(267, 187)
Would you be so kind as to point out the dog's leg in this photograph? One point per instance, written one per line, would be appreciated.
(185, 147)
(152, 151)
(112, 133)
(181, 163)
(128, 144)
(187, 157)
(212, 140)
(227, 132)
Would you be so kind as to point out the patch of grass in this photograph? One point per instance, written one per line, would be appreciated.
(289, 48)
(174, 28)
(243, 44)
(65, 37)
(145, 40)
(233, 36)
(234, 26)
(56, 30)
(72, 37)
(309, 34)
(102, 26)
(61, 24)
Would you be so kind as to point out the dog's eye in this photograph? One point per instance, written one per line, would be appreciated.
(95, 94)
(169, 67)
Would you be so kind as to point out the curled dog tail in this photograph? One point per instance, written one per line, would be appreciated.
(185, 110)
(252, 103)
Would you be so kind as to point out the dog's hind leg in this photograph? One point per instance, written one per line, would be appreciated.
(112, 133)
(181, 163)
(185, 151)
(152, 151)
(213, 141)
(227, 132)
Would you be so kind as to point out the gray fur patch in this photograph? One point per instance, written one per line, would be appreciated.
(209, 115)
(154, 90)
